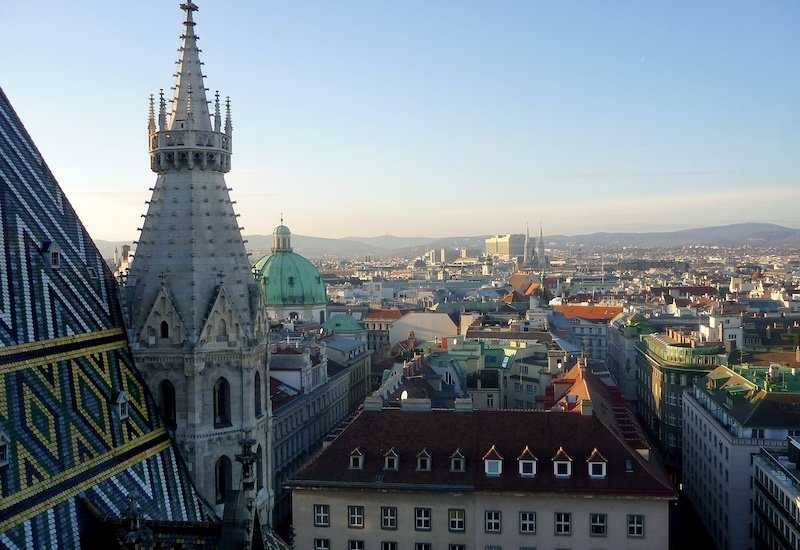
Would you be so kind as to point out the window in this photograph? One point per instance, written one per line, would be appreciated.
(457, 547)
(527, 523)
(122, 405)
(388, 545)
(322, 515)
(456, 519)
(391, 460)
(166, 395)
(259, 468)
(422, 519)
(322, 544)
(257, 393)
(388, 517)
(424, 461)
(356, 545)
(222, 403)
(492, 523)
(457, 462)
(597, 470)
(223, 478)
(355, 517)
(356, 459)
(563, 523)
(164, 328)
(493, 462)
(598, 525)
(493, 467)
(527, 468)
(562, 464)
(422, 546)
(490, 400)
(635, 525)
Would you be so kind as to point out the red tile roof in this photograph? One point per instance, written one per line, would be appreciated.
(590, 313)
(506, 432)
(384, 314)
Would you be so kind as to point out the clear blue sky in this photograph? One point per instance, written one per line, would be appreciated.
(431, 118)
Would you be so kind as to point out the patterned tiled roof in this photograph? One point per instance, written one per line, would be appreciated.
(65, 367)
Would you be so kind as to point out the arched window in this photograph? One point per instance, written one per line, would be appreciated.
(222, 331)
(164, 329)
(259, 468)
(166, 400)
(222, 403)
(223, 477)
(257, 393)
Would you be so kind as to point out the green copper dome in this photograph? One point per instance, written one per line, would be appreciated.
(287, 278)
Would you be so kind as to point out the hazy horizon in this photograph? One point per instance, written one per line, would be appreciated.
(443, 119)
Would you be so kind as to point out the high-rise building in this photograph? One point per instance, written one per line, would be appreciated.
(506, 247)
(195, 316)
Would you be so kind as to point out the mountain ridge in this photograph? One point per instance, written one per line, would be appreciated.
(738, 234)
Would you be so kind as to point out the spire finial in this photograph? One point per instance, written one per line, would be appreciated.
(217, 115)
(162, 110)
(151, 115)
(228, 123)
(189, 79)
(281, 218)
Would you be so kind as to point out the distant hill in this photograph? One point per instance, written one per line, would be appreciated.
(738, 234)
(753, 234)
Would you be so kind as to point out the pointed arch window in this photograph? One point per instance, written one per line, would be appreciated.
(222, 403)
(164, 329)
(222, 331)
(223, 477)
(166, 400)
(259, 468)
(257, 393)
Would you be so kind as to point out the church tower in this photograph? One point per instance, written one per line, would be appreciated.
(195, 316)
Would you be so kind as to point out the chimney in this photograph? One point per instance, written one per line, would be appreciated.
(586, 407)
(463, 404)
(373, 403)
(416, 404)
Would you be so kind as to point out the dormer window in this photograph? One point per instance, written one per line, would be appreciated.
(391, 460)
(4, 449)
(424, 461)
(53, 255)
(356, 459)
(122, 405)
(597, 465)
(562, 464)
(457, 461)
(527, 463)
(493, 463)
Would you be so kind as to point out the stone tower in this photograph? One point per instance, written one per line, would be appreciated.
(195, 316)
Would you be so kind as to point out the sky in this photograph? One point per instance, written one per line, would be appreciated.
(430, 118)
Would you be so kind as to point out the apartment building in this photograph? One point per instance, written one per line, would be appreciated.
(729, 415)
(776, 497)
(462, 479)
(668, 363)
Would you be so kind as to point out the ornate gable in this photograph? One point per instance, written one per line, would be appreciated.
(163, 325)
(223, 327)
